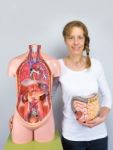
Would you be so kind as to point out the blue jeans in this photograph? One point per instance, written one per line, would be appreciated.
(99, 144)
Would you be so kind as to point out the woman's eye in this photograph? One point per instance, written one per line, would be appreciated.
(81, 37)
(75, 38)
(71, 37)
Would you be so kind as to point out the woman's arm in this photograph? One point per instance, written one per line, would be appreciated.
(106, 98)
(54, 86)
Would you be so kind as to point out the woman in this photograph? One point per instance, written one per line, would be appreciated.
(82, 78)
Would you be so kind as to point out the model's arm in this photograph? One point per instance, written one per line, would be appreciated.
(55, 86)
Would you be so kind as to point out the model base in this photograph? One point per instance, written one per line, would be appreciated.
(55, 144)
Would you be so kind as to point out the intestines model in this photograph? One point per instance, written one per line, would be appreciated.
(86, 108)
(34, 88)
(33, 117)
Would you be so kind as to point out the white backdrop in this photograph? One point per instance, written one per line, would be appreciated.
(23, 22)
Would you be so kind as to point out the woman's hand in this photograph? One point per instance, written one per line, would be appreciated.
(93, 122)
(11, 123)
(99, 119)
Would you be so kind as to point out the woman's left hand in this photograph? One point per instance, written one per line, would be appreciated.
(93, 122)
(99, 119)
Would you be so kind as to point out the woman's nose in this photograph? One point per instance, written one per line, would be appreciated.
(75, 40)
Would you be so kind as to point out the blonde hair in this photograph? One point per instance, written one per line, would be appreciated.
(67, 30)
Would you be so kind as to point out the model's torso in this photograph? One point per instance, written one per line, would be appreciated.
(34, 83)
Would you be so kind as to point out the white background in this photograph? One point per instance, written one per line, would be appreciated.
(23, 22)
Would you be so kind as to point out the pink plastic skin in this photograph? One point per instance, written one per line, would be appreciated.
(33, 118)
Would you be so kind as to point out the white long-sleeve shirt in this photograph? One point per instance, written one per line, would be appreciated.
(83, 83)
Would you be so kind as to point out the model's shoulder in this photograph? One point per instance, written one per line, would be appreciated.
(48, 58)
(18, 58)
(14, 64)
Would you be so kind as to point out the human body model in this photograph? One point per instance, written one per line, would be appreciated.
(33, 118)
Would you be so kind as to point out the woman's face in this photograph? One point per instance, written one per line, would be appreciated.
(75, 41)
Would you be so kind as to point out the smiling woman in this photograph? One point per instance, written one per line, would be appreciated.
(77, 40)
(82, 77)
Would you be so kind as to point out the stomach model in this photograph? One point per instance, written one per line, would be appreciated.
(34, 87)
(87, 108)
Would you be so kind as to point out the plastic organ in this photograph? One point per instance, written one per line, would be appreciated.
(85, 108)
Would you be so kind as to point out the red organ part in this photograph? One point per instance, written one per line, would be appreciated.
(24, 71)
(39, 71)
(34, 87)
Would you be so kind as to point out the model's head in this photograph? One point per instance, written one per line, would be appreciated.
(75, 34)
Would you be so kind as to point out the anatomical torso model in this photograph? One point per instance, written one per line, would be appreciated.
(33, 117)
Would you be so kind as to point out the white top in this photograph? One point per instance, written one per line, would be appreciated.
(83, 83)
